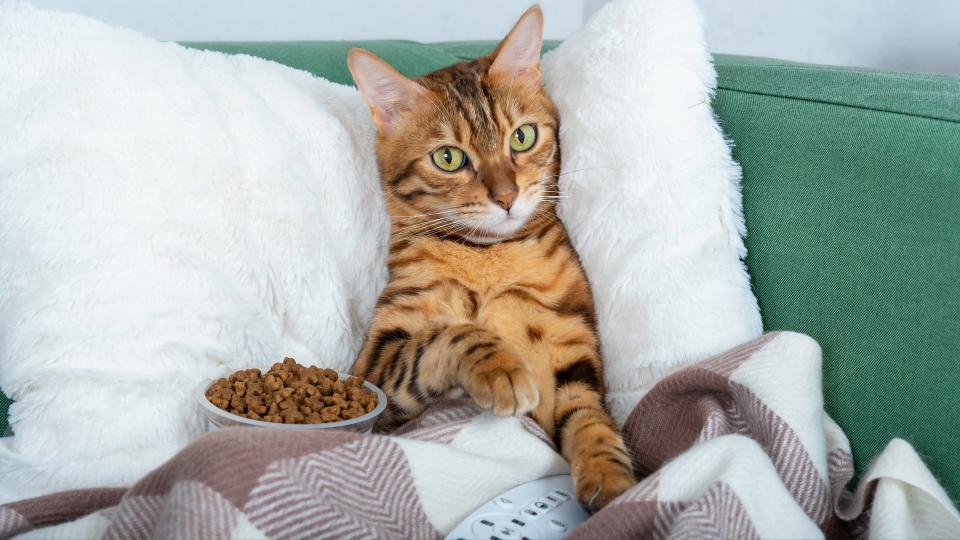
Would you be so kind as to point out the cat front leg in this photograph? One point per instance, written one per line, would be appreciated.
(494, 376)
(416, 367)
(587, 436)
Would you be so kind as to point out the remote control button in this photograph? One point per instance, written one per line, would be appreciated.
(484, 526)
(504, 502)
(507, 531)
(557, 525)
(541, 504)
(517, 522)
(553, 501)
(562, 494)
(529, 513)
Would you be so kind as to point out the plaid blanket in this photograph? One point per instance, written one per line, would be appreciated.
(735, 446)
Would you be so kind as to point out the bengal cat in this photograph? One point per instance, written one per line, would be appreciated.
(486, 294)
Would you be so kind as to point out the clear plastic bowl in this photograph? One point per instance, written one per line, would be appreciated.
(218, 418)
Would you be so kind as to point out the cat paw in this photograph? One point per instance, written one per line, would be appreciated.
(503, 385)
(599, 480)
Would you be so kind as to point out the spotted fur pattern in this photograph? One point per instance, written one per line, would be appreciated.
(482, 299)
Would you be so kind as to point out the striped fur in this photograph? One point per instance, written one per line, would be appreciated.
(484, 300)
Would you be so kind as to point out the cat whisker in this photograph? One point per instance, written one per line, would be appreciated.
(554, 176)
(585, 169)
(419, 227)
(413, 229)
(434, 220)
(425, 214)
(432, 227)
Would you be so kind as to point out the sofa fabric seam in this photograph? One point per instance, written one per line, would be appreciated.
(721, 88)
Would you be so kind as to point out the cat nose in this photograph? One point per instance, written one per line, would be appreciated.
(505, 199)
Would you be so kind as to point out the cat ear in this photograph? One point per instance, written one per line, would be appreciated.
(387, 92)
(519, 53)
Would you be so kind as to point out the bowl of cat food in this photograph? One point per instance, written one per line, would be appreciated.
(292, 396)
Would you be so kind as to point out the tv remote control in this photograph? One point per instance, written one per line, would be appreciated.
(539, 510)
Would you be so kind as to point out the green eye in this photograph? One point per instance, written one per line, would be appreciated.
(449, 158)
(523, 138)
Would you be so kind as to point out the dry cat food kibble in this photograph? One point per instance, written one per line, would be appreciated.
(292, 394)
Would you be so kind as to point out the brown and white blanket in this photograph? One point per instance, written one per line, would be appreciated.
(735, 446)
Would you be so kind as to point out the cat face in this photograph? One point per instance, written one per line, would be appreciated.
(471, 150)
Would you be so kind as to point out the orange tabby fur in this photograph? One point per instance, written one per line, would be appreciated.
(481, 300)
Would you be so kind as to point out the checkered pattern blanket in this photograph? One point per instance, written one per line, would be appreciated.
(735, 446)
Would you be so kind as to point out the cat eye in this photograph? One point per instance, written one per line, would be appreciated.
(449, 158)
(523, 138)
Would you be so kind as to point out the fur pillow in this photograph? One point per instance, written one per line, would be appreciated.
(168, 214)
(165, 214)
(653, 196)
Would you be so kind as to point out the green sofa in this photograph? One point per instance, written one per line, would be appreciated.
(851, 184)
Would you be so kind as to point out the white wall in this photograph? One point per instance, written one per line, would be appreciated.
(917, 35)
(911, 35)
(266, 20)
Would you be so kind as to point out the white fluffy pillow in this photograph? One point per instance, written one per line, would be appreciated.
(165, 213)
(654, 203)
